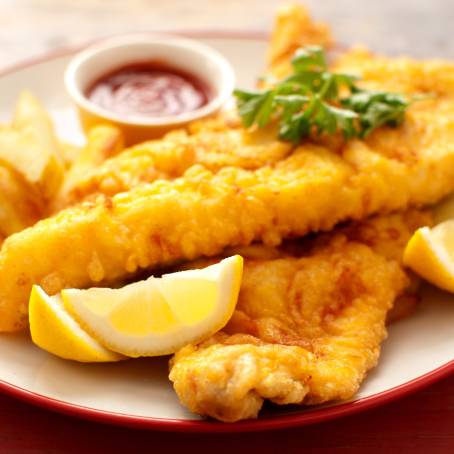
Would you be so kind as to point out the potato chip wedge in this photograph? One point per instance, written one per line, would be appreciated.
(20, 205)
(31, 148)
(102, 143)
(69, 153)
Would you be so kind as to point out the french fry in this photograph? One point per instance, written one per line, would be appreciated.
(103, 142)
(31, 148)
(20, 205)
(69, 153)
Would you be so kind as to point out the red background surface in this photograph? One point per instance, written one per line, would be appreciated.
(420, 423)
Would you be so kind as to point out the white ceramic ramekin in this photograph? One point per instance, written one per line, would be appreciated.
(192, 57)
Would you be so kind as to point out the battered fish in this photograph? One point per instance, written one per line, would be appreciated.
(306, 330)
(203, 212)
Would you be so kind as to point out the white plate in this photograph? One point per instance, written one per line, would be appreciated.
(419, 350)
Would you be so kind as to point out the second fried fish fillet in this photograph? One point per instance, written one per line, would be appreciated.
(306, 329)
(320, 340)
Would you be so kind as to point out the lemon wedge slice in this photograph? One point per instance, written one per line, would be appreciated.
(430, 253)
(159, 315)
(55, 331)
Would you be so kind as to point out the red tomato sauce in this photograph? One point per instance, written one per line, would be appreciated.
(149, 90)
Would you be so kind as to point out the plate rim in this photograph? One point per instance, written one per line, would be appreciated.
(306, 417)
(303, 418)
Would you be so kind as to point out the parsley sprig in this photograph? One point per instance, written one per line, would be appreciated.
(315, 100)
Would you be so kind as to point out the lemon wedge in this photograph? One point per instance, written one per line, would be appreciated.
(55, 331)
(159, 315)
(430, 253)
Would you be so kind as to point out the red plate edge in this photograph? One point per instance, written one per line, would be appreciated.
(207, 426)
(279, 422)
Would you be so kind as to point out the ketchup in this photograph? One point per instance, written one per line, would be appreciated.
(148, 90)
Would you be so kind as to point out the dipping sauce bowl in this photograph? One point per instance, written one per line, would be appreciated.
(96, 73)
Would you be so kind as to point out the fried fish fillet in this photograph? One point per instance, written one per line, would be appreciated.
(306, 330)
(203, 212)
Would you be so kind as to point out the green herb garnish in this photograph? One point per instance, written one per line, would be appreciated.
(315, 100)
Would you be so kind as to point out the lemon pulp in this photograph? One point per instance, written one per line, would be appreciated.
(159, 315)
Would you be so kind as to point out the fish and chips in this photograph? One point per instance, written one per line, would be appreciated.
(322, 222)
